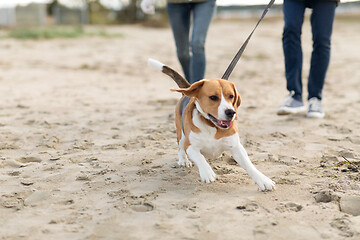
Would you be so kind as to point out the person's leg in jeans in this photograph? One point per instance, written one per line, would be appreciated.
(293, 21)
(202, 16)
(179, 17)
(322, 19)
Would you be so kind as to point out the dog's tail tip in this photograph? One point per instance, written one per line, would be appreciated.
(180, 80)
(155, 64)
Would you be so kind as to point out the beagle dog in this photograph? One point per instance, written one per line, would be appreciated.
(206, 127)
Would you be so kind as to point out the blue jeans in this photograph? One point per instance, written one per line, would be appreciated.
(322, 18)
(191, 53)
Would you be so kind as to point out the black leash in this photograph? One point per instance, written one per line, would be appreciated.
(241, 50)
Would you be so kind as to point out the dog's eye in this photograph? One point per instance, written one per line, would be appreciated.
(231, 96)
(214, 98)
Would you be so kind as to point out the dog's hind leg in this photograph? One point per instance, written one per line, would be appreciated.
(183, 160)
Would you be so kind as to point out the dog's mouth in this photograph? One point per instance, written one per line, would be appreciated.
(220, 123)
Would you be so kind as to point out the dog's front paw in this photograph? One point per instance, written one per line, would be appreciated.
(207, 175)
(184, 162)
(264, 183)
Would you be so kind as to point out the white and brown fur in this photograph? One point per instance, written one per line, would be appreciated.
(206, 127)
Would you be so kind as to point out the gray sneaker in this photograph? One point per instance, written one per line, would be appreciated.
(291, 105)
(315, 109)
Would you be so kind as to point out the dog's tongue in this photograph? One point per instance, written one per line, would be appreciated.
(224, 124)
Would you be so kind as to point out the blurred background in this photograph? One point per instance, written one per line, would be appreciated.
(35, 13)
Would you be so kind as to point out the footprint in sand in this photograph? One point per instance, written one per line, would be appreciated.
(36, 198)
(350, 204)
(248, 207)
(344, 226)
(326, 196)
(22, 162)
(290, 206)
(223, 170)
(14, 201)
(354, 139)
(142, 207)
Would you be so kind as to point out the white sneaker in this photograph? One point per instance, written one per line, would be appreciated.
(315, 109)
(291, 105)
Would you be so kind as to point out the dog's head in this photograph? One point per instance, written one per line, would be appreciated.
(216, 99)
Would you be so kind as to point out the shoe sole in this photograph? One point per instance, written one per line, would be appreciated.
(290, 110)
(315, 115)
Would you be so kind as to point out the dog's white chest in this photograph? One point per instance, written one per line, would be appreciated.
(205, 140)
(207, 144)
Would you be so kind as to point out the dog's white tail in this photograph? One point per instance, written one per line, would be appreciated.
(180, 80)
(156, 64)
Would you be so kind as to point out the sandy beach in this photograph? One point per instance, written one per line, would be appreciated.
(88, 145)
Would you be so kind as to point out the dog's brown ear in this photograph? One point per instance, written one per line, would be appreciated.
(237, 98)
(191, 91)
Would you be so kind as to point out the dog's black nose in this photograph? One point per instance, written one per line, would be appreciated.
(230, 113)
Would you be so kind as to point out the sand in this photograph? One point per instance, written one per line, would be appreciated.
(88, 145)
